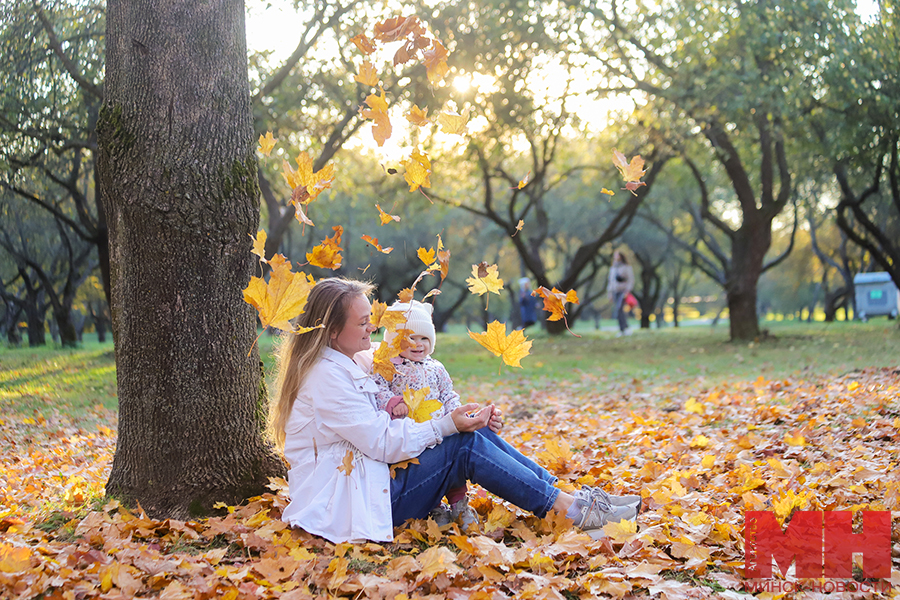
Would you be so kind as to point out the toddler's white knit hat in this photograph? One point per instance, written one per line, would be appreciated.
(418, 319)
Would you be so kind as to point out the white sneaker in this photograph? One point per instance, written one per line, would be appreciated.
(595, 512)
(628, 332)
(627, 500)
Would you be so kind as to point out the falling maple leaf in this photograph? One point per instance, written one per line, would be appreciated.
(259, 245)
(383, 317)
(607, 192)
(327, 255)
(367, 74)
(484, 279)
(397, 28)
(436, 62)
(426, 256)
(283, 298)
(381, 361)
(364, 44)
(511, 348)
(266, 143)
(417, 116)
(420, 408)
(443, 257)
(418, 171)
(385, 217)
(631, 171)
(315, 182)
(555, 301)
(378, 112)
(405, 295)
(300, 215)
(454, 123)
(374, 242)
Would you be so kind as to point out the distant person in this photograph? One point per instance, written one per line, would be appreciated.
(621, 282)
(527, 303)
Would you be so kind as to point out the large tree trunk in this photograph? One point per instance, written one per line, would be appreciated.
(181, 198)
(751, 243)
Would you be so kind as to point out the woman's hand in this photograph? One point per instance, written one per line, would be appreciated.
(496, 420)
(477, 420)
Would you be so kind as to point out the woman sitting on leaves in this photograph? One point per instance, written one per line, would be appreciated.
(339, 445)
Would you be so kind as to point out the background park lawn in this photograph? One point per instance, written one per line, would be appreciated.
(75, 382)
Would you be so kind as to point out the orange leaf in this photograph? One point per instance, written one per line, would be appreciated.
(315, 182)
(283, 298)
(631, 171)
(397, 28)
(436, 62)
(364, 44)
(328, 254)
(524, 181)
(14, 559)
(347, 463)
(381, 360)
(405, 295)
(417, 116)
(555, 301)
(367, 74)
(377, 111)
(402, 465)
(300, 215)
(374, 242)
(511, 348)
(383, 317)
(385, 217)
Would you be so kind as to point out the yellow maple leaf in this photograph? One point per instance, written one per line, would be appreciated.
(374, 241)
(367, 74)
(426, 256)
(453, 122)
(259, 245)
(299, 214)
(484, 279)
(315, 182)
(385, 217)
(511, 348)
(347, 463)
(708, 461)
(519, 226)
(631, 171)
(555, 301)
(417, 116)
(266, 143)
(364, 44)
(436, 61)
(443, 257)
(381, 360)
(418, 171)
(377, 111)
(327, 254)
(700, 441)
(794, 438)
(283, 298)
(498, 518)
(693, 406)
(556, 455)
(383, 317)
(405, 295)
(607, 192)
(623, 531)
(420, 408)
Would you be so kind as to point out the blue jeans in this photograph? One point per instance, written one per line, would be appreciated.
(481, 457)
(621, 314)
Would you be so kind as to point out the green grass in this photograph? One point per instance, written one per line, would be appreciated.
(73, 382)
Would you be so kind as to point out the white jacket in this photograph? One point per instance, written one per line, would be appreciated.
(335, 412)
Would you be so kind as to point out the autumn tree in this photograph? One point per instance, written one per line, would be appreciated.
(735, 77)
(523, 151)
(178, 175)
(856, 123)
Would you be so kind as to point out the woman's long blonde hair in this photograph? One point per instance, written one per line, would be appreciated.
(297, 354)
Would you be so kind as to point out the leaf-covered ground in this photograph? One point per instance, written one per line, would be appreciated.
(699, 455)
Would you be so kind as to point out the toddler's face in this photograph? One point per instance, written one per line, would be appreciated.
(420, 349)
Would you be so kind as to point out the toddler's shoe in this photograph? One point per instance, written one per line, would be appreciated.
(463, 514)
(593, 512)
(441, 514)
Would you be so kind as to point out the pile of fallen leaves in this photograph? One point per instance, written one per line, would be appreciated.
(700, 456)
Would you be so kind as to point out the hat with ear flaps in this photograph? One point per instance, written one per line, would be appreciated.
(418, 319)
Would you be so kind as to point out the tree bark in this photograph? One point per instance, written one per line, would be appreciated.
(751, 243)
(181, 198)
